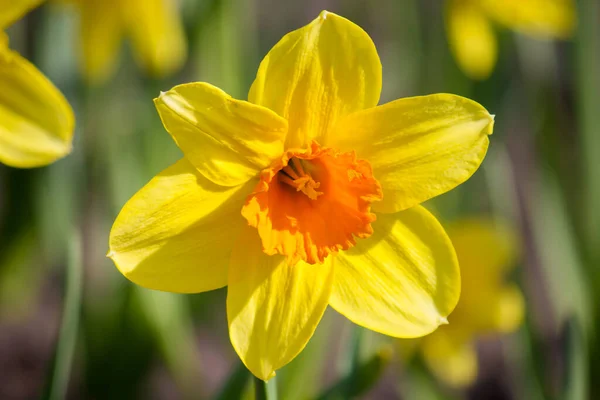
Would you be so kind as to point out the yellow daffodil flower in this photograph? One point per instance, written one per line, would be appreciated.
(305, 196)
(471, 35)
(13, 10)
(488, 304)
(153, 26)
(36, 122)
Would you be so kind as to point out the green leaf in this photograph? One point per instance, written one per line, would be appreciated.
(235, 386)
(576, 374)
(361, 379)
(70, 320)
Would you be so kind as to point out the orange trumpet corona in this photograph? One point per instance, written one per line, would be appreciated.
(313, 202)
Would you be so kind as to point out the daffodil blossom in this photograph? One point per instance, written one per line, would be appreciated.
(11, 11)
(469, 24)
(36, 122)
(153, 26)
(488, 304)
(304, 196)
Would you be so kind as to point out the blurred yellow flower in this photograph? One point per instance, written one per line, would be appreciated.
(36, 122)
(153, 26)
(13, 10)
(488, 304)
(275, 197)
(471, 34)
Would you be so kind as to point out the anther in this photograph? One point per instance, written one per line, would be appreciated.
(294, 175)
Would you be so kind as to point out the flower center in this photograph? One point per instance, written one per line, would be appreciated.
(293, 174)
(313, 202)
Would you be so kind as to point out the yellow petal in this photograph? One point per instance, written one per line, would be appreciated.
(12, 10)
(177, 232)
(101, 24)
(229, 141)
(36, 122)
(273, 308)
(403, 281)
(419, 147)
(471, 37)
(156, 31)
(452, 360)
(543, 18)
(317, 74)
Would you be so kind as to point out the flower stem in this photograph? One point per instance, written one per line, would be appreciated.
(265, 390)
(588, 85)
(70, 320)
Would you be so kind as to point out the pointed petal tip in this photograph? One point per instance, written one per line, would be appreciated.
(489, 129)
(443, 321)
(323, 15)
(160, 95)
(262, 375)
(270, 376)
(110, 254)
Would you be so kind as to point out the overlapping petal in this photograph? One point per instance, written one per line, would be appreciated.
(403, 281)
(12, 10)
(471, 37)
(317, 74)
(36, 122)
(419, 147)
(177, 232)
(157, 34)
(543, 18)
(273, 308)
(229, 141)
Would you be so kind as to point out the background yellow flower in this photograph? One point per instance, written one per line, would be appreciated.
(36, 122)
(470, 27)
(489, 303)
(11, 11)
(153, 27)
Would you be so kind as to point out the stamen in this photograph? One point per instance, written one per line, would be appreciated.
(286, 179)
(290, 172)
(298, 166)
(307, 185)
(295, 176)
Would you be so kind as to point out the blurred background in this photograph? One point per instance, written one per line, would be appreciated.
(71, 326)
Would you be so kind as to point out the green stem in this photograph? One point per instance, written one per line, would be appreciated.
(355, 348)
(70, 320)
(265, 390)
(236, 384)
(588, 82)
(364, 376)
